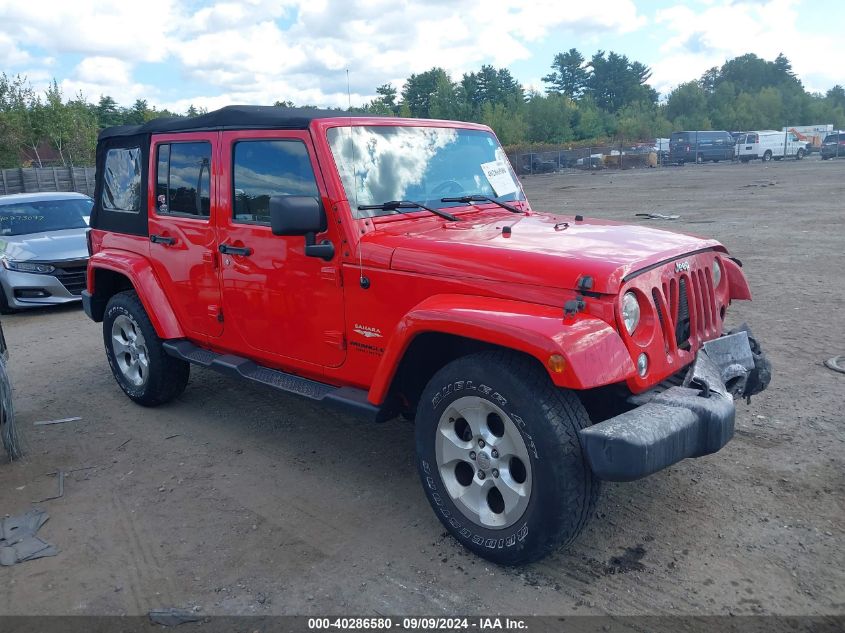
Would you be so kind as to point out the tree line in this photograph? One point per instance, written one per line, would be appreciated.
(583, 101)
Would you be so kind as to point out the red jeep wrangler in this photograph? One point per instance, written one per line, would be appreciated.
(394, 266)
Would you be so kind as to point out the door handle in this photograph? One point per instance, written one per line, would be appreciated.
(161, 239)
(245, 251)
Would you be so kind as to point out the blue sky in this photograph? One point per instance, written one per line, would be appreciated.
(214, 52)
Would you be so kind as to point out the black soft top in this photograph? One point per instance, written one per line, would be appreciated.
(231, 117)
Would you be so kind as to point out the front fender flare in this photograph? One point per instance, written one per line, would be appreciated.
(139, 271)
(593, 351)
(737, 283)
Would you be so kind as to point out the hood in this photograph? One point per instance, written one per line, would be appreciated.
(50, 246)
(542, 249)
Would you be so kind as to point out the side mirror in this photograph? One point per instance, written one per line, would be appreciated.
(301, 215)
(296, 215)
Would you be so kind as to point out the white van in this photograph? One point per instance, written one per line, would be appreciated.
(769, 144)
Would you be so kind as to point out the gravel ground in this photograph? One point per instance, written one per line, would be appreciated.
(237, 500)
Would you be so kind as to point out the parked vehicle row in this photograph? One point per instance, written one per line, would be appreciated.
(698, 146)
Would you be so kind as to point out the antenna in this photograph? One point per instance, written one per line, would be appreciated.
(362, 280)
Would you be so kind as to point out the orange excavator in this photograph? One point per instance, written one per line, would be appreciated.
(813, 139)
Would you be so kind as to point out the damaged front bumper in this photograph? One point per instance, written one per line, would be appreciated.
(684, 421)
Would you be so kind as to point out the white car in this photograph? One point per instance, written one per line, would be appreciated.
(769, 144)
(43, 249)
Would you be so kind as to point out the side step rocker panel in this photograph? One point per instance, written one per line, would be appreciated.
(348, 399)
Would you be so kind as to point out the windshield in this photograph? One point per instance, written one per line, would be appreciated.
(38, 216)
(378, 164)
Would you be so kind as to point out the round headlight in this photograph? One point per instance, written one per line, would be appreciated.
(717, 273)
(630, 311)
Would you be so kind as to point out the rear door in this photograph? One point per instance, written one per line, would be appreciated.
(280, 302)
(678, 143)
(182, 233)
(730, 144)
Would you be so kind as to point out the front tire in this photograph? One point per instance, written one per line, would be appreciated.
(500, 458)
(799, 155)
(136, 356)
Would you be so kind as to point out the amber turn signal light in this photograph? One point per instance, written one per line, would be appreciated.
(557, 363)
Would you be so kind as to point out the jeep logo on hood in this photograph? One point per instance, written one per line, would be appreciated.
(681, 267)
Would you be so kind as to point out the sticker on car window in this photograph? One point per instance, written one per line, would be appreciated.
(499, 176)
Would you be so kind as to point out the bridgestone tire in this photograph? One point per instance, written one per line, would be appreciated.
(167, 376)
(563, 490)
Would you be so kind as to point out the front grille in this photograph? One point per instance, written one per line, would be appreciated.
(682, 316)
(72, 275)
(690, 303)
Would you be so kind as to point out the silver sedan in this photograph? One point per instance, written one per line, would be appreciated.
(43, 249)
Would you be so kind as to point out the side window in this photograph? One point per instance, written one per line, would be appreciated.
(122, 180)
(263, 169)
(183, 179)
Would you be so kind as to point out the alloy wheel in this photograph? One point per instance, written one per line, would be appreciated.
(130, 350)
(483, 462)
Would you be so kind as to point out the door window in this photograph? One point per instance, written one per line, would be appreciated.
(265, 168)
(183, 179)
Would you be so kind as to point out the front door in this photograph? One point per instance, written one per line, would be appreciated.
(282, 303)
(182, 232)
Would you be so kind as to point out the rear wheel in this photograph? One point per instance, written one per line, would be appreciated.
(767, 156)
(137, 358)
(500, 458)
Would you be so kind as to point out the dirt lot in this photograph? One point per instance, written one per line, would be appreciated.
(241, 501)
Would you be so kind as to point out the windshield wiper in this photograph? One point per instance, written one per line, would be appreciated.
(480, 198)
(395, 205)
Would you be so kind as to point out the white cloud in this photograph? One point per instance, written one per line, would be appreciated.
(377, 40)
(12, 55)
(97, 76)
(698, 39)
(258, 51)
(103, 71)
(129, 30)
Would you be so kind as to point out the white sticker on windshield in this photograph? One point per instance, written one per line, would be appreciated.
(499, 176)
